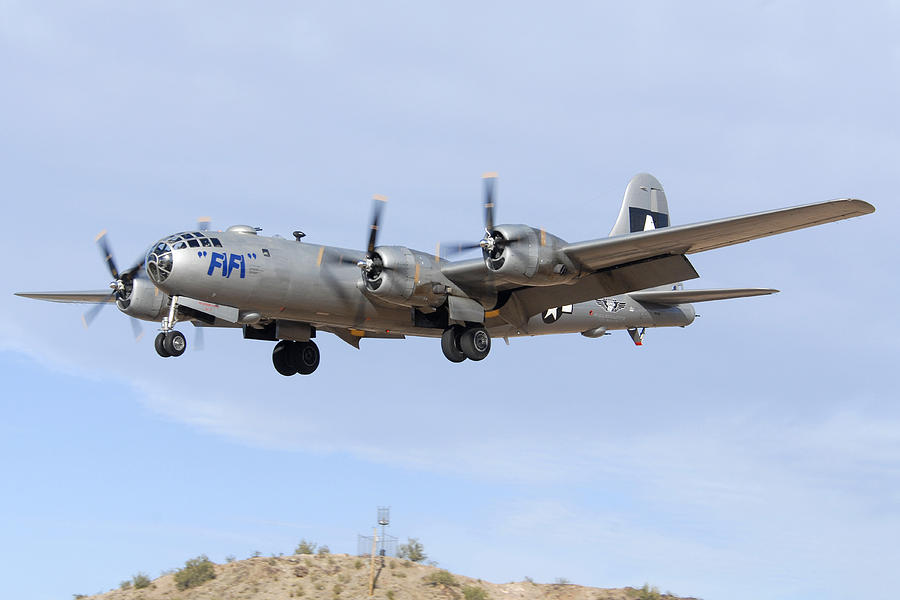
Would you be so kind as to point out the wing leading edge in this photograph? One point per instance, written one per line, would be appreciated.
(88, 297)
(709, 235)
(671, 297)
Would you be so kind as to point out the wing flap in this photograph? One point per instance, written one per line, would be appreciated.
(526, 302)
(86, 297)
(700, 237)
(691, 296)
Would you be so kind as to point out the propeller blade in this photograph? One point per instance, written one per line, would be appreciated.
(378, 205)
(199, 339)
(334, 259)
(136, 329)
(119, 285)
(490, 184)
(133, 271)
(88, 317)
(454, 248)
(106, 252)
(203, 223)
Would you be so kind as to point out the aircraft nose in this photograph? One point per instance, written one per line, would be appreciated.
(159, 262)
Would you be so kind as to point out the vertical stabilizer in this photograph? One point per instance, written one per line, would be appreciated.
(644, 206)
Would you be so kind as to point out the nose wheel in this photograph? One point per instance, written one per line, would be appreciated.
(290, 358)
(170, 343)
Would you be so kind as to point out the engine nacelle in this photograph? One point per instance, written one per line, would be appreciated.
(529, 256)
(143, 301)
(405, 277)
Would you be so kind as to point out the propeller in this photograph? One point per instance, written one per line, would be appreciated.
(372, 265)
(123, 281)
(120, 286)
(493, 242)
(203, 224)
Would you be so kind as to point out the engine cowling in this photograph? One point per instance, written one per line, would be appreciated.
(405, 277)
(143, 301)
(529, 256)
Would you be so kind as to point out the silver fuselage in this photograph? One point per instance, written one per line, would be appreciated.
(289, 280)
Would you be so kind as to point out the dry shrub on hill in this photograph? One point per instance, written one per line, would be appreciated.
(196, 571)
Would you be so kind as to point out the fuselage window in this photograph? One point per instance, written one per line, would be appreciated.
(205, 242)
(216, 242)
(193, 243)
(178, 245)
(265, 251)
(186, 235)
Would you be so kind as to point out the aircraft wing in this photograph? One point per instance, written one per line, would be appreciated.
(88, 297)
(473, 274)
(691, 296)
(699, 237)
(644, 259)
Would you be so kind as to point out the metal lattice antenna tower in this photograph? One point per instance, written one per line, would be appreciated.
(384, 519)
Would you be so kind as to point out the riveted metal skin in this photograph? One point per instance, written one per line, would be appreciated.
(144, 302)
(520, 285)
(530, 256)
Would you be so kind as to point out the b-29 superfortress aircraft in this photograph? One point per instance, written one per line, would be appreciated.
(527, 282)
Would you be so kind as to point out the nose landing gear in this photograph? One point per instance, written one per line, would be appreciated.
(291, 357)
(170, 343)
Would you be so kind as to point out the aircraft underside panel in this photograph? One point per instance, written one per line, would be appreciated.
(526, 303)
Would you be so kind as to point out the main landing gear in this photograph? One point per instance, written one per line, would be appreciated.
(170, 342)
(459, 343)
(291, 358)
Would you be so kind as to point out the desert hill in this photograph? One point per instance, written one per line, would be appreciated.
(340, 576)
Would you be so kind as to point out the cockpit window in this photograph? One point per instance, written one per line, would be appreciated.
(193, 239)
(159, 262)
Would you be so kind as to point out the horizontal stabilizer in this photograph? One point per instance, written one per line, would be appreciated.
(691, 296)
(89, 297)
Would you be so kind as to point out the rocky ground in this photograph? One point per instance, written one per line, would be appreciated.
(339, 576)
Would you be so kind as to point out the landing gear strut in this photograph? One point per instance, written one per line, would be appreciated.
(460, 343)
(291, 358)
(170, 342)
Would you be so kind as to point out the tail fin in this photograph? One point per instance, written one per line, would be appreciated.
(644, 206)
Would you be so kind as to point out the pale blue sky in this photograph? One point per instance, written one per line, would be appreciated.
(753, 454)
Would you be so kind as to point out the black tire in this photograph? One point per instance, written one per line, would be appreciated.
(159, 344)
(475, 343)
(174, 343)
(450, 345)
(305, 357)
(281, 358)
